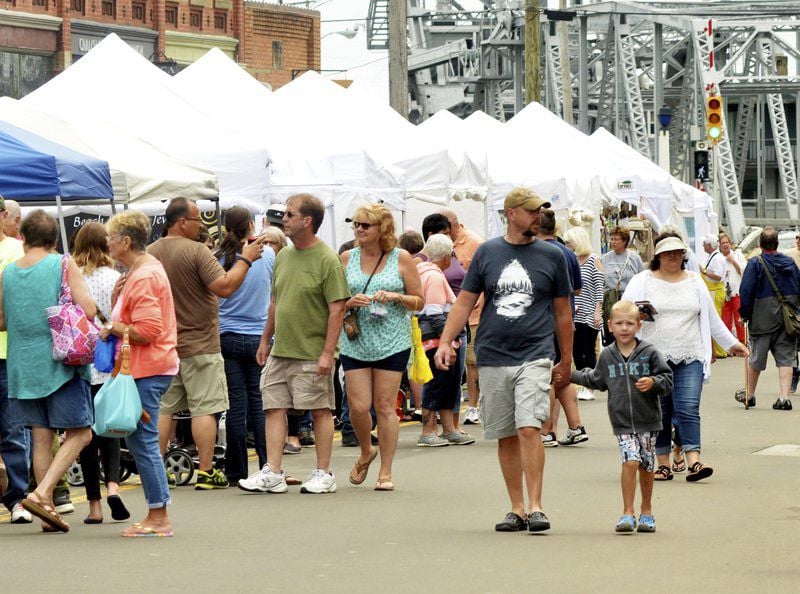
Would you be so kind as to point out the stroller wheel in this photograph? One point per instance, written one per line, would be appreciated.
(124, 474)
(179, 462)
(75, 475)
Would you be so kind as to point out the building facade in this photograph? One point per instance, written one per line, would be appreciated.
(39, 38)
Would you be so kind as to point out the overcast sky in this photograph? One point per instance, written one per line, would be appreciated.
(352, 55)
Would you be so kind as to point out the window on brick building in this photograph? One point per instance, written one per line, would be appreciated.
(171, 14)
(109, 8)
(220, 21)
(78, 6)
(277, 55)
(138, 11)
(39, 3)
(196, 18)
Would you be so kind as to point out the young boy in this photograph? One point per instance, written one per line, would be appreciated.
(635, 375)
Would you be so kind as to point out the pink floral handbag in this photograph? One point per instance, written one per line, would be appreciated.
(74, 335)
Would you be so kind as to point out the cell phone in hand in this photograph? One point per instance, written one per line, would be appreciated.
(647, 310)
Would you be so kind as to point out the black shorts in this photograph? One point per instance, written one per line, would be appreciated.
(442, 392)
(396, 362)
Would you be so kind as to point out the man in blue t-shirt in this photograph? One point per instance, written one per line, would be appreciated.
(526, 292)
(566, 395)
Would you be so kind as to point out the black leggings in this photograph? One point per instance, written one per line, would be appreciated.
(583, 346)
(90, 461)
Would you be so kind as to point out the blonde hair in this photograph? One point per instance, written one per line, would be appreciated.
(133, 224)
(579, 239)
(378, 215)
(624, 308)
(276, 235)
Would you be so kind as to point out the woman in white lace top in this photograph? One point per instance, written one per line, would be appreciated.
(682, 331)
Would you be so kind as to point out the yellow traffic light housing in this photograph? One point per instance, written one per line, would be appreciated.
(714, 118)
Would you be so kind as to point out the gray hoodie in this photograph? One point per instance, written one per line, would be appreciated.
(629, 410)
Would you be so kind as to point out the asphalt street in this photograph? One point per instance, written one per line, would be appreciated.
(736, 532)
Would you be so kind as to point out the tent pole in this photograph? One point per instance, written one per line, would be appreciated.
(113, 207)
(219, 220)
(64, 244)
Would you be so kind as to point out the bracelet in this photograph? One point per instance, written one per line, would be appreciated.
(245, 260)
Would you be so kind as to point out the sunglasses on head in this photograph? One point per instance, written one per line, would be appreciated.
(360, 225)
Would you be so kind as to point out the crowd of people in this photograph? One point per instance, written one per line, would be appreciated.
(258, 327)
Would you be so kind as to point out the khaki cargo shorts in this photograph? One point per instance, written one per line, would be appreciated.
(200, 387)
(294, 383)
(514, 397)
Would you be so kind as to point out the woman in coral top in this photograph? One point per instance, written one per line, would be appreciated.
(144, 307)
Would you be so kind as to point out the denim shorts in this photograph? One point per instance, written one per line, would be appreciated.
(441, 393)
(396, 362)
(69, 407)
(638, 447)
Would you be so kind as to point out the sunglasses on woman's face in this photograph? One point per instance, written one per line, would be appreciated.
(360, 225)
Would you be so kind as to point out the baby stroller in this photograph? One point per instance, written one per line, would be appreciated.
(180, 459)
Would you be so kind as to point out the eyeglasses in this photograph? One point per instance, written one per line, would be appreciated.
(270, 242)
(290, 215)
(195, 219)
(360, 225)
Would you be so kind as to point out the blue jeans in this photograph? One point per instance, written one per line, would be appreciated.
(682, 408)
(143, 443)
(461, 362)
(243, 375)
(12, 445)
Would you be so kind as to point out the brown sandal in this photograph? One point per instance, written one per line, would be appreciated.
(698, 472)
(46, 513)
(663, 473)
(359, 472)
(384, 484)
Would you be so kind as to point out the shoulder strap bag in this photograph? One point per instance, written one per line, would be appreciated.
(74, 335)
(791, 317)
(117, 406)
(350, 323)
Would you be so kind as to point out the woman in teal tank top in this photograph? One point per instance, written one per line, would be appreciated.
(385, 287)
(49, 394)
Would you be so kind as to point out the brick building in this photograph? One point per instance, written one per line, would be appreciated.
(39, 38)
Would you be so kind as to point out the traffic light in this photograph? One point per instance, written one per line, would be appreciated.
(702, 165)
(714, 117)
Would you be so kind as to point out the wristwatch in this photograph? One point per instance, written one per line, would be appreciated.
(109, 326)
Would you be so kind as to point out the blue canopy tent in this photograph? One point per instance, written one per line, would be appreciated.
(35, 171)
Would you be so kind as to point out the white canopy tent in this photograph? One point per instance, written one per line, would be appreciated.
(113, 83)
(674, 206)
(139, 171)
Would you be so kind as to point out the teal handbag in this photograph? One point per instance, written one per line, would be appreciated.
(117, 406)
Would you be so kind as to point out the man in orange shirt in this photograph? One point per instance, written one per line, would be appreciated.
(465, 242)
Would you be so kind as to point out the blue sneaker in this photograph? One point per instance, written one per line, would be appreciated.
(626, 524)
(646, 523)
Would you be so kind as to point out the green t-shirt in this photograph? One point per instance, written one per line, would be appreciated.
(10, 251)
(304, 282)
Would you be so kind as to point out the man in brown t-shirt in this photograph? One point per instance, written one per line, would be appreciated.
(197, 279)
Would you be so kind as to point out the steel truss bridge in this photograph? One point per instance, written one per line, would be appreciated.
(625, 61)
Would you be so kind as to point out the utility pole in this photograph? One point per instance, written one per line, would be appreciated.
(398, 56)
(533, 44)
(566, 78)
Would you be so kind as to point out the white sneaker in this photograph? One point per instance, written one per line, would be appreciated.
(319, 482)
(585, 394)
(20, 515)
(264, 481)
(472, 417)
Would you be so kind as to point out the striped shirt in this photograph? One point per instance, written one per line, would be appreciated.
(591, 293)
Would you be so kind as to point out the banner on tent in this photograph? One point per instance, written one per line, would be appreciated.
(158, 224)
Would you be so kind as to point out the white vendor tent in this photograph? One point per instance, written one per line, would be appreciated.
(139, 171)
(113, 83)
(327, 162)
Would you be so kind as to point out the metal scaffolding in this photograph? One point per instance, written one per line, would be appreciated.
(626, 59)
